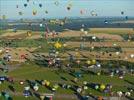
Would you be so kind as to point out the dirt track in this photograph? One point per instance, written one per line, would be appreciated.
(127, 47)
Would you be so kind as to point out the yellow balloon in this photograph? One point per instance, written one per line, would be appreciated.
(98, 73)
(88, 62)
(42, 97)
(93, 62)
(29, 33)
(34, 12)
(102, 86)
(58, 45)
(76, 53)
(56, 86)
(47, 83)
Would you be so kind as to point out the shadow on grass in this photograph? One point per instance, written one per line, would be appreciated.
(132, 83)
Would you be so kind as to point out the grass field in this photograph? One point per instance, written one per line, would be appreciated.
(37, 73)
(34, 71)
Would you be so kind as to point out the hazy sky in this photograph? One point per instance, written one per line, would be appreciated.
(101, 7)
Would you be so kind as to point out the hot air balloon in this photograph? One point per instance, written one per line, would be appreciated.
(82, 11)
(57, 45)
(93, 13)
(34, 12)
(15, 30)
(56, 3)
(17, 6)
(42, 97)
(25, 5)
(93, 61)
(122, 12)
(106, 22)
(55, 87)
(43, 19)
(46, 12)
(40, 5)
(41, 25)
(68, 8)
(36, 87)
(29, 33)
(102, 86)
(28, 0)
(126, 17)
(96, 87)
(88, 62)
(20, 13)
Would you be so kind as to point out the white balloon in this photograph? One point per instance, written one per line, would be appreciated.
(86, 32)
(117, 53)
(132, 55)
(82, 30)
(99, 65)
(115, 44)
(93, 37)
(1, 50)
(41, 25)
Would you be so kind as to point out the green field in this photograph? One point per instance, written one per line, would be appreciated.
(33, 72)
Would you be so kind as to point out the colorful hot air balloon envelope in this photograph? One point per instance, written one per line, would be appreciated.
(57, 45)
(93, 62)
(102, 86)
(29, 33)
(126, 17)
(40, 5)
(42, 97)
(26, 93)
(56, 3)
(122, 12)
(96, 87)
(46, 12)
(7, 96)
(28, 0)
(47, 83)
(25, 5)
(17, 6)
(34, 12)
(41, 25)
(68, 8)
(56, 86)
(88, 62)
(93, 13)
(106, 22)
(83, 11)
(14, 30)
(20, 13)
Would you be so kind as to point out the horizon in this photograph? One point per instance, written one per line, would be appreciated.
(74, 17)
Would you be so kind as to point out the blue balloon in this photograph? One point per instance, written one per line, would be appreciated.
(25, 5)
(40, 5)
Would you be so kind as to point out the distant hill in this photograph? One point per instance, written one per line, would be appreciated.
(72, 23)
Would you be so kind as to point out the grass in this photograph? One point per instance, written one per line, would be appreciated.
(19, 98)
(32, 71)
(2, 31)
(116, 31)
(96, 49)
(25, 43)
(39, 73)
